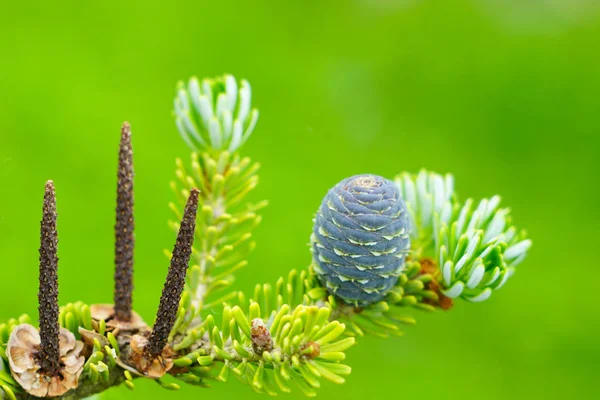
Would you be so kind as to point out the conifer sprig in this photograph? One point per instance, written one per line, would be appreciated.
(475, 247)
(215, 114)
(215, 117)
(291, 333)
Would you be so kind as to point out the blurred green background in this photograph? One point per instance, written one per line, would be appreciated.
(504, 94)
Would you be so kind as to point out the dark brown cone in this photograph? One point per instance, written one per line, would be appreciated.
(48, 292)
(124, 239)
(171, 294)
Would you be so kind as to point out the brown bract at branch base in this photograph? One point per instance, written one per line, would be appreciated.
(24, 352)
(46, 363)
(152, 366)
(311, 350)
(106, 312)
(428, 266)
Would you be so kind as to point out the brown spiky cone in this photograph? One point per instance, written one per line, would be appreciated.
(171, 294)
(124, 239)
(48, 291)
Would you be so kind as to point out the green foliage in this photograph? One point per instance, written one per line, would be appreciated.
(75, 315)
(224, 222)
(214, 114)
(298, 288)
(382, 319)
(304, 347)
(103, 359)
(477, 247)
(429, 197)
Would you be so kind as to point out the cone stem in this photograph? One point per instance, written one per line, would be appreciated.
(171, 294)
(48, 290)
(124, 239)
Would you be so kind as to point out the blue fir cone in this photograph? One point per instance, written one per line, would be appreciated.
(361, 238)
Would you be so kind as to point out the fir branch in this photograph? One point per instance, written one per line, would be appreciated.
(124, 227)
(294, 331)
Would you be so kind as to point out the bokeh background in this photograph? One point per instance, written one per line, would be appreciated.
(502, 93)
